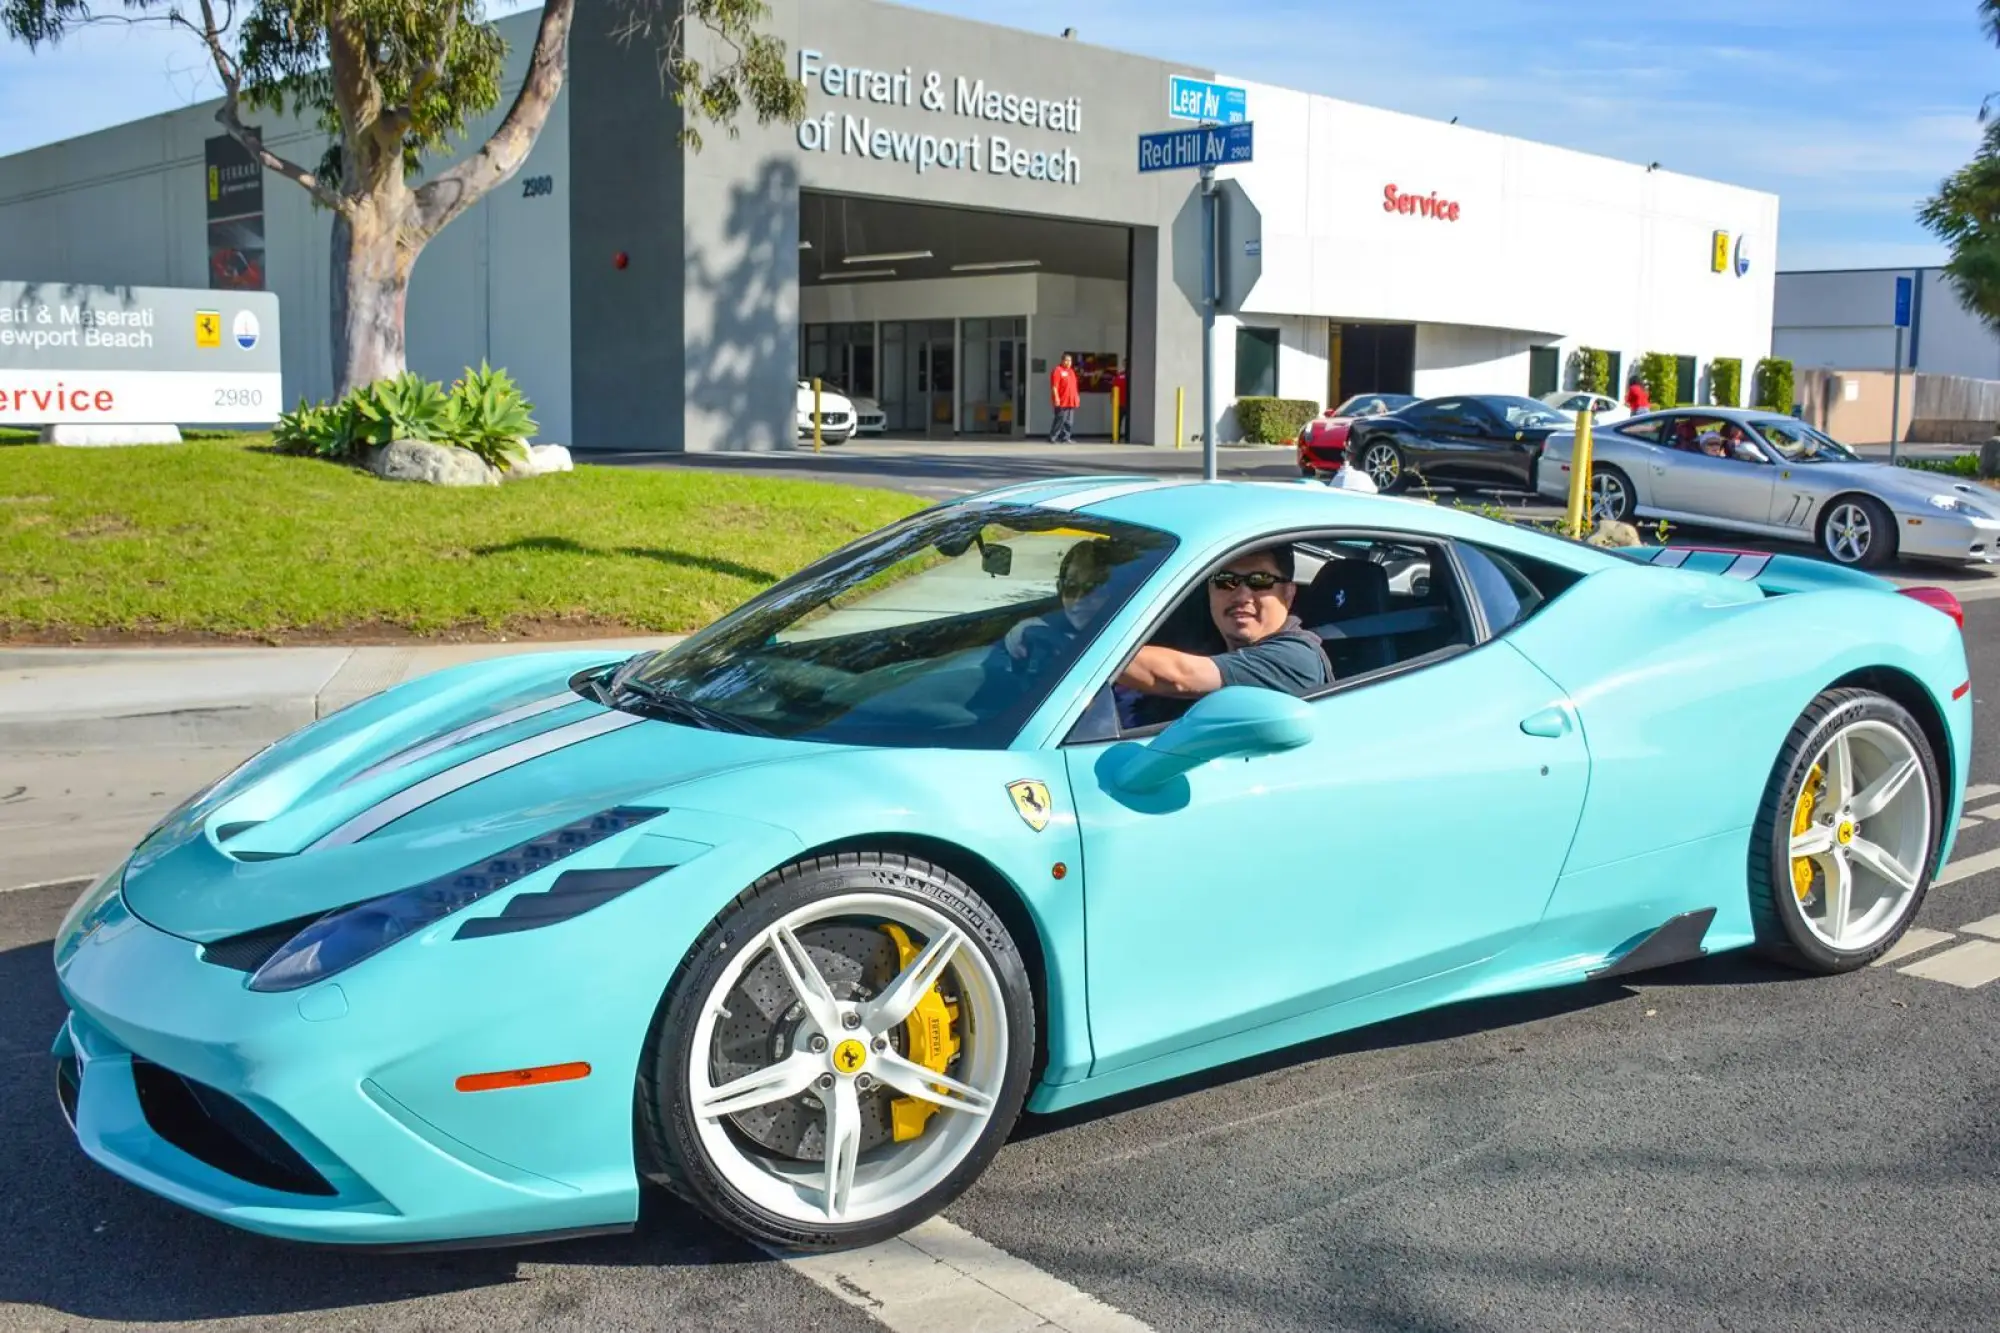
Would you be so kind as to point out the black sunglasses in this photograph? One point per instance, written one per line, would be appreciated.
(1259, 580)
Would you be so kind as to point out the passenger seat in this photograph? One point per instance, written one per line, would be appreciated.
(1347, 590)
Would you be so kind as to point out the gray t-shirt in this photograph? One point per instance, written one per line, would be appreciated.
(1291, 660)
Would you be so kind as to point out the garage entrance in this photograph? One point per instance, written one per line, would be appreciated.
(947, 320)
(1370, 358)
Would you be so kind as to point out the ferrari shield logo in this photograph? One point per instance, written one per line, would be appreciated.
(1031, 802)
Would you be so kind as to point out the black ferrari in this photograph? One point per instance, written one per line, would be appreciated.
(1467, 441)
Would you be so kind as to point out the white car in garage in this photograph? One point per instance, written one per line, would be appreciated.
(836, 414)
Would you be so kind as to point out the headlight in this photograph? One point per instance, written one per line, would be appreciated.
(348, 935)
(1959, 504)
(88, 912)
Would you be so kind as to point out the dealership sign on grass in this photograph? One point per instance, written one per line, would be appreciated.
(74, 354)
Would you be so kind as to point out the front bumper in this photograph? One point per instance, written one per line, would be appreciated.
(328, 1114)
(1939, 534)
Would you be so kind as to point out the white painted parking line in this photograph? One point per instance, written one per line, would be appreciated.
(1985, 812)
(1967, 866)
(78, 881)
(1914, 941)
(1981, 792)
(1987, 926)
(1965, 824)
(1969, 966)
(941, 1276)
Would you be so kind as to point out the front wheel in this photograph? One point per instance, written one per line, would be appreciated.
(1383, 462)
(1610, 495)
(841, 1054)
(1859, 531)
(1842, 850)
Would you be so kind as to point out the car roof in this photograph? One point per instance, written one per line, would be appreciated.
(1744, 416)
(1204, 514)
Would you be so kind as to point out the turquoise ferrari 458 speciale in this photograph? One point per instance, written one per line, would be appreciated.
(796, 916)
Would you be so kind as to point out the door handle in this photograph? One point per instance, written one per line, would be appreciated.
(1551, 722)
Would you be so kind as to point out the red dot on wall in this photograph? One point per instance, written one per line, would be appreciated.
(620, 260)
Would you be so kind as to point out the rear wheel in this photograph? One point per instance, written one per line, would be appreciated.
(1841, 855)
(841, 1053)
(1610, 495)
(1858, 530)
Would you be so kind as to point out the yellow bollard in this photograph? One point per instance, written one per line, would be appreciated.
(1180, 429)
(816, 414)
(1580, 520)
(1114, 414)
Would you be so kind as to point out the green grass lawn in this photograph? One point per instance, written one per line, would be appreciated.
(221, 538)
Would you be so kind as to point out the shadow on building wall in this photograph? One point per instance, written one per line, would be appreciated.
(742, 304)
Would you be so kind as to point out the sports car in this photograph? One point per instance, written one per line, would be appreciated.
(1323, 441)
(797, 916)
(1753, 471)
(1465, 441)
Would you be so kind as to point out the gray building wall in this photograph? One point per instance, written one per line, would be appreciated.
(735, 279)
(1844, 319)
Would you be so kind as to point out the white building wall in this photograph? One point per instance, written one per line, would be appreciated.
(1549, 246)
(128, 205)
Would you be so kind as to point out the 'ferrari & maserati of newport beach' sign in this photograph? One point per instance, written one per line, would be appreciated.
(77, 354)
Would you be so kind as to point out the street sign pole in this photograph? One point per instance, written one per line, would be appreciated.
(1208, 298)
(1896, 401)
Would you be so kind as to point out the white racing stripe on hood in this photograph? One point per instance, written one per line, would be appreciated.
(388, 811)
(466, 733)
(1099, 494)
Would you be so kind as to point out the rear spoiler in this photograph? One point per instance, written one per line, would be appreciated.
(1777, 575)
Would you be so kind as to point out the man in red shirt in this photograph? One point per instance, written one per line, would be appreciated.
(1064, 397)
(1124, 392)
(1636, 397)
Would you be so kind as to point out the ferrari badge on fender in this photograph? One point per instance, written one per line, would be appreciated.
(1031, 802)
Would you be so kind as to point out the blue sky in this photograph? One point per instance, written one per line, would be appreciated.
(1849, 110)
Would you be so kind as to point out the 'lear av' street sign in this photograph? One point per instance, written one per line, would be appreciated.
(71, 354)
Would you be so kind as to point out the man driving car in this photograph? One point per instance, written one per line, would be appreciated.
(1250, 601)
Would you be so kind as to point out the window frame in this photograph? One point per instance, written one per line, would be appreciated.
(1445, 562)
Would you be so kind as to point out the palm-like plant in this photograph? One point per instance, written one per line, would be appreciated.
(1965, 212)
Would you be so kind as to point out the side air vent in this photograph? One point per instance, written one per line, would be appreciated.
(249, 951)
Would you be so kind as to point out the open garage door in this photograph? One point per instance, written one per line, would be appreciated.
(945, 321)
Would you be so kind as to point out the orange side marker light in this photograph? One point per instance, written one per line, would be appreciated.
(523, 1078)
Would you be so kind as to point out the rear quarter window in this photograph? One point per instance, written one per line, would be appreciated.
(1511, 588)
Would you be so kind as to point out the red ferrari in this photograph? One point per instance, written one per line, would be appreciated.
(1323, 442)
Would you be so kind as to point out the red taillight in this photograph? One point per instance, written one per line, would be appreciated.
(1940, 599)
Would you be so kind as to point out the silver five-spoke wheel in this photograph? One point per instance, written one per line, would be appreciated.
(1860, 834)
(1383, 464)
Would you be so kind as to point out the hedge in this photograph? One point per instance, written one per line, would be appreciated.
(1774, 384)
(1590, 370)
(1661, 374)
(1274, 420)
(1725, 380)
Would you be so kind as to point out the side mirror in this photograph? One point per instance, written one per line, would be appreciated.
(996, 559)
(1235, 722)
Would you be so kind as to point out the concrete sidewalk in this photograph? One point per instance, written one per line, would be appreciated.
(106, 698)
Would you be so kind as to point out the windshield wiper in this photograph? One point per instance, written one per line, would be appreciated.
(673, 708)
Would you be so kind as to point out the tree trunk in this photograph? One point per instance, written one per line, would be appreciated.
(371, 283)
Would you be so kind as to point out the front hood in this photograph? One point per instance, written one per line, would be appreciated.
(1905, 485)
(413, 784)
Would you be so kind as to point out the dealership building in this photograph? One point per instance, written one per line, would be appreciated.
(962, 205)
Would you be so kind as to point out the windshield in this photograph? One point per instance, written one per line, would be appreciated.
(903, 638)
(1800, 443)
(1523, 413)
(1373, 404)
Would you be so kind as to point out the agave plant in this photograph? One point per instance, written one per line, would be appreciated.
(408, 407)
(488, 414)
(325, 430)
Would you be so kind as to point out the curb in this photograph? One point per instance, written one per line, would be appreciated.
(202, 708)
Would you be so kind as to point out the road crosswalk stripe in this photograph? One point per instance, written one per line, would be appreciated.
(1981, 792)
(1968, 966)
(1984, 812)
(1987, 926)
(1914, 941)
(939, 1276)
(1967, 866)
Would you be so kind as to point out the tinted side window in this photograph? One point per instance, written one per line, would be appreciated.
(1511, 587)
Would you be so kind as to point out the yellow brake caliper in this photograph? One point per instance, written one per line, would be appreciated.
(933, 1042)
(1803, 870)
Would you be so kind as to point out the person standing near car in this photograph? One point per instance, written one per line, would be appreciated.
(1636, 398)
(1064, 397)
(1122, 392)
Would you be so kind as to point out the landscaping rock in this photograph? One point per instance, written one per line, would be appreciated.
(1613, 533)
(1989, 458)
(543, 459)
(433, 464)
